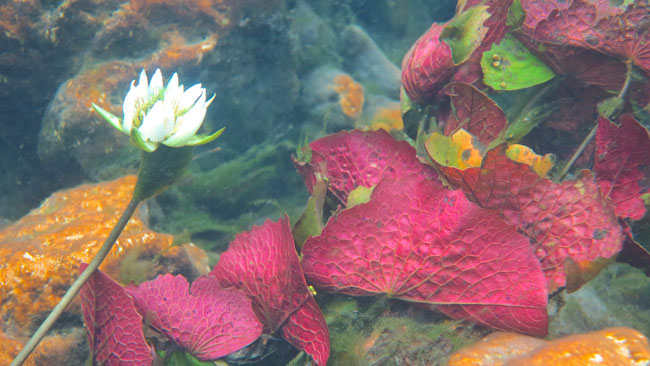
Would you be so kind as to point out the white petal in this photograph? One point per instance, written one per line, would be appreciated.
(187, 124)
(190, 96)
(156, 83)
(142, 83)
(172, 91)
(128, 107)
(158, 123)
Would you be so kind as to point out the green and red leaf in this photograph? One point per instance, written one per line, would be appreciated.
(563, 220)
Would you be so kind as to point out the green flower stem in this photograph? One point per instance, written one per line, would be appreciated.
(158, 170)
(76, 286)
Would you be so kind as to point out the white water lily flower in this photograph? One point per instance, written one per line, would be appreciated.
(154, 114)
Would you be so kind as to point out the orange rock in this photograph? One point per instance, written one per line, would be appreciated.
(612, 346)
(40, 254)
(350, 95)
(63, 349)
(495, 350)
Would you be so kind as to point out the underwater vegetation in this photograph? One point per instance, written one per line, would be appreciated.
(515, 170)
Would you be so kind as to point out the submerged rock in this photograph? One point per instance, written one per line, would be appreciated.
(41, 253)
(612, 346)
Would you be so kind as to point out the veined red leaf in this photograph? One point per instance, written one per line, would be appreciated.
(306, 330)
(113, 324)
(475, 112)
(622, 164)
(599, 26)
(355, 158)
(417, 241)
(427, 66)
(206, 320)
(563, 220)
(263, 263)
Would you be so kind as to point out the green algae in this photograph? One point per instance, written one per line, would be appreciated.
(214, 204)
(381, 331)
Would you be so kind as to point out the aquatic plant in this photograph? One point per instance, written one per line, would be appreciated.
(567, 80)
(418, 241)
(257, 287)
(169, 115)
(205, 320)
(263, 263)
(155, 115)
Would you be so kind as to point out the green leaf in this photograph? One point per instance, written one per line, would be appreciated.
(465, 32)
(140, 143)
(509, 65)
(359, 195)
(461, 150)
(516, 15)
(111, 118)
(310, 222)
(610, 106)
(204, 139)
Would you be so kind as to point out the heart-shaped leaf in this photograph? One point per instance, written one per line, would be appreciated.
(417, 241)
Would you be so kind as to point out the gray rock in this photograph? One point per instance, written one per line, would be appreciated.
(364, 60)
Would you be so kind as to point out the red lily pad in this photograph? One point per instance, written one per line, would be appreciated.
(357, 158)
(206, 320)
(417, 241)
(475, 112)
(622, 164)
(598, 26)
(563, 220)
(113, 324)
(263, 263)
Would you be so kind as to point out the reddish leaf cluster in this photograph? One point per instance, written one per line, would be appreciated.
(428, 66)
(563, 220)
(206, 320)
(263, 263)
(593, 25)
(417, 241)
(258, 277)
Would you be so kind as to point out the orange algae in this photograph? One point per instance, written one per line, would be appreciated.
(612, 346)
(40, 254)
(53, 349)
(387, 119)
(350, 95)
